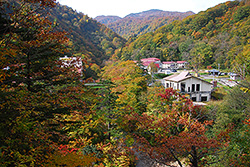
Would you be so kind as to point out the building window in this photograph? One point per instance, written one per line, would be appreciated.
(203, 98)
(188, 89)
(193, 87)
(197, 87)
(167, 85)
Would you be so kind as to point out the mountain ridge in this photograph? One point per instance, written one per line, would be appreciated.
(135, 24)
(153, 12)
(150, 11)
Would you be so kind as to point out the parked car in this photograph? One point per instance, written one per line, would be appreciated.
(167, 72)
(221, 73)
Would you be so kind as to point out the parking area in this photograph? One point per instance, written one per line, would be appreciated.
(226, 81)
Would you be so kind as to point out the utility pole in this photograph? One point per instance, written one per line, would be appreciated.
(244, 68)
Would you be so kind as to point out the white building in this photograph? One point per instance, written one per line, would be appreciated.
(75, 62)
(174, 65)
(181, 64)
(196, 88)
(234, 76)
(169, 65)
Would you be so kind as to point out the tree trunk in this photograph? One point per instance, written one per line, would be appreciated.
(172, 152)
(194, 159)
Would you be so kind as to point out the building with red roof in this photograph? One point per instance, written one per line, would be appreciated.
(146, 62)
(181, 64)
(163, 66)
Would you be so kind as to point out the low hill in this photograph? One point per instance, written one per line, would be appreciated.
(140, 23)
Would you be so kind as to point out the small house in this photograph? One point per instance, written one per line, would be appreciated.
(196, 88)
(234, 76)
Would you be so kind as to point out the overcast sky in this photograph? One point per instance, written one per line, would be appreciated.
(122, 8)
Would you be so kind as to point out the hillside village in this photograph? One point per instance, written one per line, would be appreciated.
(181, 79)
(194, 87)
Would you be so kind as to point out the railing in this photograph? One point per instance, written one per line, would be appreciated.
(196, 92)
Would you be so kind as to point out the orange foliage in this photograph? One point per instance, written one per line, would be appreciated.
(176, 133)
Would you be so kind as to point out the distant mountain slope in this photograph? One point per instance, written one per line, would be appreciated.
(87, 36)
(219, 35)
(107, 19)
(141, 23)
(157, 13)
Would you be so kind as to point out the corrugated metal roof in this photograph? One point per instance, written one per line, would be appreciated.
(179, 77)
(151, 59)
(182, 76)
(168, 62)
(180, 62)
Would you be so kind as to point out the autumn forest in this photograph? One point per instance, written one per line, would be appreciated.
(72, 95)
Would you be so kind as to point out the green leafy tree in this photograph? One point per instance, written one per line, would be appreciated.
(242, 62)
(200, 55)
(231, 116)
(241, 13)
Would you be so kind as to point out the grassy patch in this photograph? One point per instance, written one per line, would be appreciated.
(161, 75)
(219, 93)
(203, 73)
(208, 80)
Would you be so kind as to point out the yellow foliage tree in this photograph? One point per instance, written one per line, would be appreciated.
(128, 81)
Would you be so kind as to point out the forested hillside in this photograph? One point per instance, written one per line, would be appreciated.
(86, 35)
(136, 24)
(50, 115)
(219, 35)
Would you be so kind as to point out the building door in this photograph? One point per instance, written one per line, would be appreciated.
(193, 87)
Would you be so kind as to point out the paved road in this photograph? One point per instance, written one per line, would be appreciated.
(222, 80)
(227, 82)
